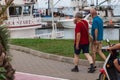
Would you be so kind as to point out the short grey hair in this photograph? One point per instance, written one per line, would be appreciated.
(79, 15)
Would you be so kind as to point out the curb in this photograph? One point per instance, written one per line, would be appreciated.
(52, 56)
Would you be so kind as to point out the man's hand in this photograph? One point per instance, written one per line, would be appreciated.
(108, 49)
(96, 42)
(77, 46)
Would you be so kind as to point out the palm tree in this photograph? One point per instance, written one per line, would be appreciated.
(6, 70)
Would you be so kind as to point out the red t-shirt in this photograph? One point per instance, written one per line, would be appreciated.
(80, 27)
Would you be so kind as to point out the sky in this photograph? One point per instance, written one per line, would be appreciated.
(67, 3)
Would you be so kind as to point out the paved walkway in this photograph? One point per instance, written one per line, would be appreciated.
(28, 63)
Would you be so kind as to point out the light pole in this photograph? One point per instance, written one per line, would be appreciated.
(53, 35)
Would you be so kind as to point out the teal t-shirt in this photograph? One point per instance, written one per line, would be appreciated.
(97, 24)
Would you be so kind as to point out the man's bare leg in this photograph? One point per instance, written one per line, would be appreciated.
(102, 55)
(76, 61)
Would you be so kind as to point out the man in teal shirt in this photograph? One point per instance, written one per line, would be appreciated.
(97, 24)
(97, 34)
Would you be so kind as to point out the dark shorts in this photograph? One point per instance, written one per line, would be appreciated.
(84, 48)
(119, 61)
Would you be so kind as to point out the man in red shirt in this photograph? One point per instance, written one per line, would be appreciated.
(81, 42)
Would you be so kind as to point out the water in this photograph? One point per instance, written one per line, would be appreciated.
(109, 33)
(68, 33)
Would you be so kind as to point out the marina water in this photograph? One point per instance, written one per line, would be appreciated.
(109, 33)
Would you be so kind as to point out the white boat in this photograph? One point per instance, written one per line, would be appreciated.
(22, 18)
(106, 14)
(68, 23)
(77, 4)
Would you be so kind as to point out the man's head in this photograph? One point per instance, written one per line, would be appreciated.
(78, 16)
(93, 12)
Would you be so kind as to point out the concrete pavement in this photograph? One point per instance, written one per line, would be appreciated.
(41, 64)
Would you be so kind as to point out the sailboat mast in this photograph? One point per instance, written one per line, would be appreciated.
(52, 7)
(96, 2)
(48, 4)
(49, 7)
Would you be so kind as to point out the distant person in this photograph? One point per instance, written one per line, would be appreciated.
(116, 61)
(97, 34)
(81, 42)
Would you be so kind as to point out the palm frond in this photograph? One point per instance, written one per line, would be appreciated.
(4, 37)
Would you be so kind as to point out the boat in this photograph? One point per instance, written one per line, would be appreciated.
(69, 23)
(77, 6)
(22, 18)
(105, 12)
(50, 18)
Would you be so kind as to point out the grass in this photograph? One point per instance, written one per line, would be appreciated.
(53, 46)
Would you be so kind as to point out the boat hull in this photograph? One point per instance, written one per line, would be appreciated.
(68, 23)
(23, 27)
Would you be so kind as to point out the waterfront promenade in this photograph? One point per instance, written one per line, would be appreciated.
(25, 62)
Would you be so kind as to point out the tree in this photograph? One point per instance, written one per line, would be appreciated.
(6, 70)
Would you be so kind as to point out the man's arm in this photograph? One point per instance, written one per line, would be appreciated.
(95, 29)
(78, 35)
(96, 34)
(117, 46)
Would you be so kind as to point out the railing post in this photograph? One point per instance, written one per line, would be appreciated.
(119, 35)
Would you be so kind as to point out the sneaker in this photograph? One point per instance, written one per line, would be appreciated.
(91, 70)
(75, 70)
(94, 67)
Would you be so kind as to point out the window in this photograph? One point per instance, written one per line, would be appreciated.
(26, 10)
(36, 13)
(15, 11)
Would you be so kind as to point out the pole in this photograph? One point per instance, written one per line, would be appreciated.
(56, 3)
(119, 35)
(48, 4)
(96, 2)
(53, 29)
(101, 3)
(48, 7)
(92, 3)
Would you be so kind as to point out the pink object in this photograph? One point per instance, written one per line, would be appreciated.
(27, 76)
